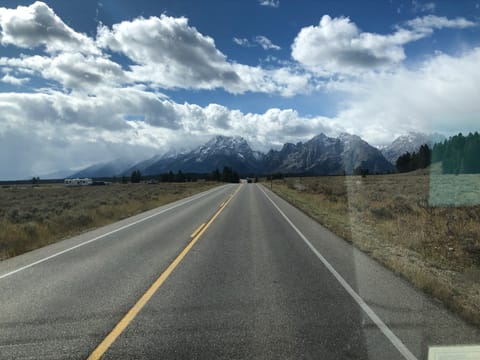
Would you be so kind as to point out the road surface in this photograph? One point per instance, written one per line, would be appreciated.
(259, 280)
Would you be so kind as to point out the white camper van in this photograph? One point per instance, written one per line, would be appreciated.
(78, 182)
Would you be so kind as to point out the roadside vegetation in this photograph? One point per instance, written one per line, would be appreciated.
(423, 225)
(34, 216)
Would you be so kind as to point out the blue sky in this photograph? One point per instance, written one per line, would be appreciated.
(89, 81)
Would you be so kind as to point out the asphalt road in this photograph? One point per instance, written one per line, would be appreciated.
(260, 281)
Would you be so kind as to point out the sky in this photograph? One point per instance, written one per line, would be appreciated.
(84, 82)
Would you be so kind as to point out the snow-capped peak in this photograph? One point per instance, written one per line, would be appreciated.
(409, 142)
(224, 144)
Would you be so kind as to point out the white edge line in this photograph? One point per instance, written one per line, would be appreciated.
(367, 309)
(196, 197)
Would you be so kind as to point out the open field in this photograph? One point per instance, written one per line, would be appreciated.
(32, 217)
(424, 227)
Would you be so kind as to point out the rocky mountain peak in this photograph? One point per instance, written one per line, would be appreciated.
(409, 142)
(224, 144)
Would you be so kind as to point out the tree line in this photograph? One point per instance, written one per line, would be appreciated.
(228, 174)
(458, 155)
(416, 160)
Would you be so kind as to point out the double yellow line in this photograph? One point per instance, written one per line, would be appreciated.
(133, 312)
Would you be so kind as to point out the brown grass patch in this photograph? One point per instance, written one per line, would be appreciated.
(426, 228)
(32, 217)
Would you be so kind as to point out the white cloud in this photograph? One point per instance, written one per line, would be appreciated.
(9, 79)
(37, 24)
(419, 7)
(270, 3)
(266, 43)
(272, 128)
(167, 53)
(259, 40)
(107, 115)
(170, 53)
(72, 70)
(440, 96)
(243, 42)
(427, 23)
(285, 81)
(41, 149)
(58, 108)
(338, 46)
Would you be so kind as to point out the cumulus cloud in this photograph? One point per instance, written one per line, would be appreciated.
(270, 3)
(170, 52)
(9, 79)
(72, 70)
(110, 116)
(166, 52)
(37, 24)
(442, 99)
(285, 81)
(337, 45)
(57, 108)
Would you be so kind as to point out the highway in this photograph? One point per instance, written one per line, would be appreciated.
(232, 273)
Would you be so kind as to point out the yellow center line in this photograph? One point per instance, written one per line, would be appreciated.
(133, 312)
(197, 231)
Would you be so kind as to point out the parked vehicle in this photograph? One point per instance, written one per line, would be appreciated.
(78, 182)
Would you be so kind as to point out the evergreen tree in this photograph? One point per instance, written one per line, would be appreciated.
(216, 175)
(136, 176)
(404, 163)
(179, 177)
(417, 160)
(227, 174)
(459, 154)
(423, 157)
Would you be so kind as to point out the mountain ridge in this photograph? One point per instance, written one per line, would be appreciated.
(321, 155)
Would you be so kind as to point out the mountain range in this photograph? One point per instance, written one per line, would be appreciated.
(321, 155)
(215, 154)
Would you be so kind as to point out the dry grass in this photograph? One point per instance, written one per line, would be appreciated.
(423, 226)
(31, 217)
